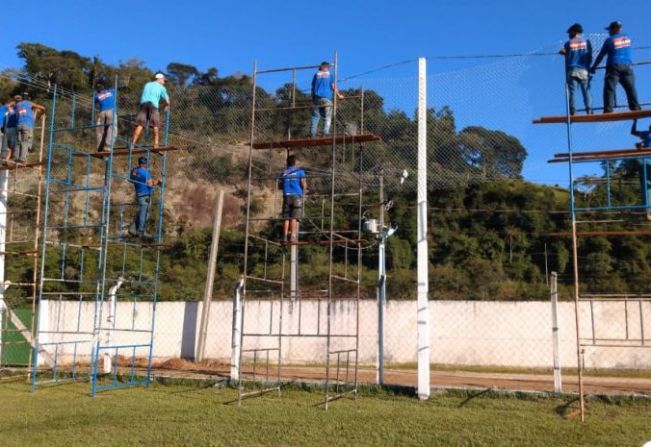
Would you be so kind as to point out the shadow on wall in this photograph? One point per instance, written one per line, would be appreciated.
(189, 334)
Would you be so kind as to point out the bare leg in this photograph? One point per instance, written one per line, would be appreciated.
(155, 137)
(136, 135)
(285, 229)
(294, 230)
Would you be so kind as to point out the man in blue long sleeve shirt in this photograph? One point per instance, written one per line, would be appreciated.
(578, 57)
(143, 184)
(618, 67)
(323, 86)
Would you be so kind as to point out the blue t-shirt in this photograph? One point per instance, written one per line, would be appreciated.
(139, 178)
(322, 84)
(12, 118)
(105, 99)
(153, 92)
(578, 54)
(3, 116)
(618, 49)
(291, 178)
(24, 113)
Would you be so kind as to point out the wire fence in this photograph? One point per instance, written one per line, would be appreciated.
(494, 240)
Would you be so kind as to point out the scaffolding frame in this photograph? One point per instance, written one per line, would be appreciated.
(90, 328)
(571, 157)
(12, 188)
(283, 294)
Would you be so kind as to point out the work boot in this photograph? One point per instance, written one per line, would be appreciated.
(132, 230)
(146, 237)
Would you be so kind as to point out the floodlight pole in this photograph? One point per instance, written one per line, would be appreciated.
(422, 258)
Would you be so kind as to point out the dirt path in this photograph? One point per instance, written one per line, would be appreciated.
(439, 379)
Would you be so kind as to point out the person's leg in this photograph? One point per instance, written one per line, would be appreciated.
(316, 116)
(155, 129)
(286, 215)
(327, 110)
(294, 230)
(571, 89)
(11, 143)
(23, 141)
(627, 79)
(136, 135)
(100, 132)
(29, 137)
(587, 98)
(143, 207)
(610, 83)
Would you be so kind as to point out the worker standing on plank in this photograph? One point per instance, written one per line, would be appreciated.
(294, 186)
(578, 57)
(143, 184)
(4, 111)
(619, 68)
(107, 120)
(26, 112)
(153, 94)
(323, 87)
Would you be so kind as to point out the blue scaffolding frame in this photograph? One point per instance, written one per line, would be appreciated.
(98, 287)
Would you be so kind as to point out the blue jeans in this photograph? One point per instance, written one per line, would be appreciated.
(141, 215)
(584, 84)
(322, 109)
(619, 74)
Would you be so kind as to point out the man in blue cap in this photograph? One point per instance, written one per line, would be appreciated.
(578, 57)
(143, 184)
(294, 185)
(619, 68)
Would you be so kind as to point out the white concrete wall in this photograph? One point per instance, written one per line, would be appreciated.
(462, 333)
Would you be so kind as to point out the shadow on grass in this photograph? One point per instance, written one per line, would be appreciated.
(474, 395)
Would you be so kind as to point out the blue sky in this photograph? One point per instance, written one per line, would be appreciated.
(230, 35)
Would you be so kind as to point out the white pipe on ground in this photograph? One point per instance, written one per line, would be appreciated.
(110, 323)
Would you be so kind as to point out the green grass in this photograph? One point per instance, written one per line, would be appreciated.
(193, 415)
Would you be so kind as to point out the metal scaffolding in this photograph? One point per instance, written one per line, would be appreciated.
(596, 214)
(272, 290)
(20, 220)
(98, 286)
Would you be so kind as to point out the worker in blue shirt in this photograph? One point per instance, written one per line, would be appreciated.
(153, 94)
(4, 110)
(26, 112)
(143, 184)
(9, 145)
(578, 57)
(107, 122)
(294, 185)
(618, 67)
(323, 87)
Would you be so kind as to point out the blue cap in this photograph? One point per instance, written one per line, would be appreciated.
(143, 161)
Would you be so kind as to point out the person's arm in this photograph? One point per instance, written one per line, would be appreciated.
(313, 87)
(37, 109)
(304, 185)
(333, 86)
(600, 56)
(634, 130)
(589, 53)
(563, 50)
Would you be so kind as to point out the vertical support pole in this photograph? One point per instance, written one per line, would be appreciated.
(4, 188)
(575, 257)
(237, 330)
(422, 251)
(558, 383)
(381, 289)
(293, 271)
(210, 280)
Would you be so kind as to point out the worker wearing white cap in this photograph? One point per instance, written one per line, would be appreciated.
(154, 95)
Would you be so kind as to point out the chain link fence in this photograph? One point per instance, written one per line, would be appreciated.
(496, 232)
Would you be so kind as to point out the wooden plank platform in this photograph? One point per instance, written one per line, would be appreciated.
(338, 242)
(125, 151)
(11, 165)
(316, 142)
(615, 154)
(595, 118)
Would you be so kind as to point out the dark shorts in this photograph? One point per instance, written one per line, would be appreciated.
(292, 207)
(148, 114)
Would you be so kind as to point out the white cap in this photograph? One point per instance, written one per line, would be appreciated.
(160, 76)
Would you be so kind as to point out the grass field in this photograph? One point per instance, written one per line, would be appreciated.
(201, 415)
